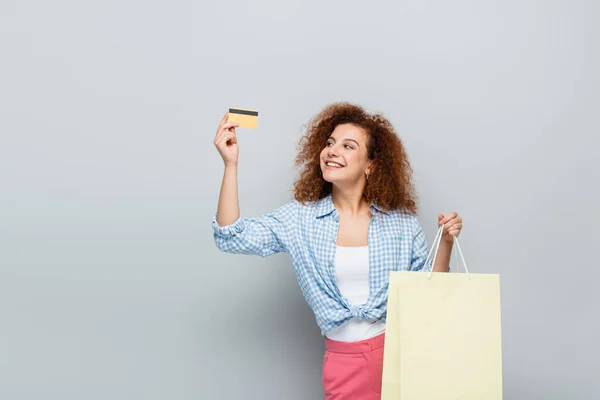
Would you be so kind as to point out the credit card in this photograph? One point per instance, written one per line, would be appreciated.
(245, 118)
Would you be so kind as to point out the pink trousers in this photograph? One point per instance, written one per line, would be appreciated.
(353, 370)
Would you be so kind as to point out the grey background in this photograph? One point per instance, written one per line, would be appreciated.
(110, 283)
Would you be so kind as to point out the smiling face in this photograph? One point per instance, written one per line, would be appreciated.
(345, 158)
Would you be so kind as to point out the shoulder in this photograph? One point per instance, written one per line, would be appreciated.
(314, 208)
(297, 209)
(289, 209)
(403, 221)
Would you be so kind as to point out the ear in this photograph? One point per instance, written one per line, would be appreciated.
(370, 168)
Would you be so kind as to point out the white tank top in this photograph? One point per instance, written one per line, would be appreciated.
(352, 279)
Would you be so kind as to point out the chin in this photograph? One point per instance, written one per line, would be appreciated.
(326, 176)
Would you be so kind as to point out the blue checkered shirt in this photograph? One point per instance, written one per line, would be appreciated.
(308, 232)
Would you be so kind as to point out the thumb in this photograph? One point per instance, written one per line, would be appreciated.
(440, 217)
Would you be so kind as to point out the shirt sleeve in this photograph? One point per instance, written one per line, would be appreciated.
(265, 235)
(419, 252)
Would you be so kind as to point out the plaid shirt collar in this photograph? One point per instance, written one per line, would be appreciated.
(325, 207)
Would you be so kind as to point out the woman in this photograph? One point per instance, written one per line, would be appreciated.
(353, 220)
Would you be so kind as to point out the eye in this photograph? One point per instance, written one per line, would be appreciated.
(347, 145)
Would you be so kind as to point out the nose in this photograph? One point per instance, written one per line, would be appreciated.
(331, 153)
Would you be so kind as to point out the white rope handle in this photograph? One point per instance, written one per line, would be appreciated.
(436, 245)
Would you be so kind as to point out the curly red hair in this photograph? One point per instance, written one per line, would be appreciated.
(390, 180)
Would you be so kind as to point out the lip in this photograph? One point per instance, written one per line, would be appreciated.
(328, 167)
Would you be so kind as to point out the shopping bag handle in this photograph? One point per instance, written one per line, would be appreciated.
(436, 245)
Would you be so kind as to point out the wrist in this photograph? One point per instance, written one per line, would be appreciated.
(448, 239)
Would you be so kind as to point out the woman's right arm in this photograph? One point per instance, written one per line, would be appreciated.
(265, 235)
(228, 210)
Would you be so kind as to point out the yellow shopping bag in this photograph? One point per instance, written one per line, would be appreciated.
(443, 336)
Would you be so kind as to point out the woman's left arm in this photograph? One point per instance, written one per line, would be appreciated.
(452, 226)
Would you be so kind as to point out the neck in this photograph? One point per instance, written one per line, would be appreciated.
(349, 202)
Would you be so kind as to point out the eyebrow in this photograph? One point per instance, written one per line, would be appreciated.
(352, 140)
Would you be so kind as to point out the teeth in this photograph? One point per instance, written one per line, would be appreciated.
(331, 164)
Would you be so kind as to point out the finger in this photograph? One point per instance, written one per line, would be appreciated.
(232, 138)
(454, 232)
(219, 135)
(225, 137)
(224, 131)
(230, 125)
(229, 136)
(440, 218)
(451, 228)
(453, 224)
(223, 127)
(450, 216)
(223, 121)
